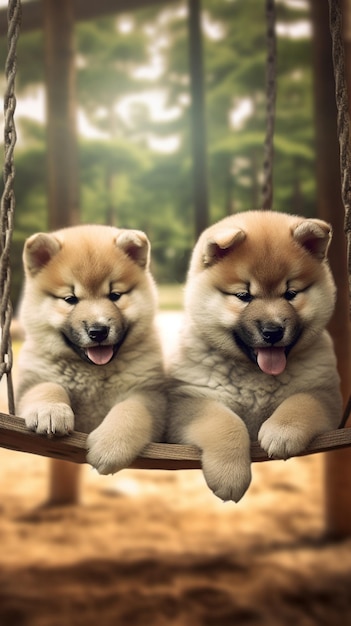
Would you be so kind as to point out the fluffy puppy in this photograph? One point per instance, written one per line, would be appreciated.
(255, 360)
(91, 360)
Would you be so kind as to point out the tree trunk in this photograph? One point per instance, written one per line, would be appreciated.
(63, 187)
(197, 115)
(330, 208)
(62, 171)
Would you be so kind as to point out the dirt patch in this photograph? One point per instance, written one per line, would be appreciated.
(153, 547)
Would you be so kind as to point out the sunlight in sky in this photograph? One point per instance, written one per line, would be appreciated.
(297, 30)
(32, 106)
(155, 100)
(239, 114)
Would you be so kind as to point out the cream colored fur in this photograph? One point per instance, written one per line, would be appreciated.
(255, 275)
(80, 281)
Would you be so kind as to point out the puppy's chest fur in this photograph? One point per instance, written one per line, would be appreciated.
(93, 390)
(243, 387)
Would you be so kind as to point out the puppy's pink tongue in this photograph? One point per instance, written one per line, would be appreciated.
(271, 360)
(100, 355)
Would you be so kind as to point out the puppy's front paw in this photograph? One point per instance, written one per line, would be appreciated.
(282, 441)
(49, 419)
(228, 478)
(107, 453)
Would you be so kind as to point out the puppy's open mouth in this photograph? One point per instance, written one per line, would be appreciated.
(271, 360)
(98, 355)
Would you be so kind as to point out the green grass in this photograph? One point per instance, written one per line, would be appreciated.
(170, 297)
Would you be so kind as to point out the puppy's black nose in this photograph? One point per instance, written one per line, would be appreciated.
(98, 332)
(272, 334)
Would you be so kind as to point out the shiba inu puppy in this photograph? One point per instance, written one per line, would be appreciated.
(91, 360)
(255, 360)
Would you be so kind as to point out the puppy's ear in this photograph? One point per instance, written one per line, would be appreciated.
(220, 243)
(136, 245)
(314, 236)
(38, 250)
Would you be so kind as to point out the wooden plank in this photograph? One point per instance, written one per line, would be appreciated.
(15, 436)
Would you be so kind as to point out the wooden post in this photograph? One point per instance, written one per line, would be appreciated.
(198, 122)
(330, 208)
(62, 170)
(63, 187)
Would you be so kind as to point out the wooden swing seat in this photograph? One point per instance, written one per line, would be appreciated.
(15, 436)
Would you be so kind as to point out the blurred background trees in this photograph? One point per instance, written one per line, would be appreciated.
(133, 101)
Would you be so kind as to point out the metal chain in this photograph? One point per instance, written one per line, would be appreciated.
(271, 90)
(8, 199)
(343, 118)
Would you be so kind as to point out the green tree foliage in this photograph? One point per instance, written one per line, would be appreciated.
(126, 182)
(236, 73)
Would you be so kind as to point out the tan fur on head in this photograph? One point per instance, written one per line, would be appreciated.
(220, 243)
(38, 251)
(41, 248)
(136, 245)
(315, 236)
(217, 241)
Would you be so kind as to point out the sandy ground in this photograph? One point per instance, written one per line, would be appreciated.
(157, 548)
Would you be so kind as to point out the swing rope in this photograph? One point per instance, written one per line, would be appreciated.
(8, 199)
(271, 92)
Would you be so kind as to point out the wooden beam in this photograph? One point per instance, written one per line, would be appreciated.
(15, 436)
(32, 12)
